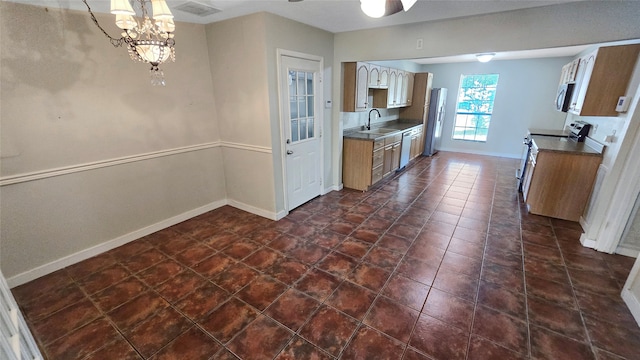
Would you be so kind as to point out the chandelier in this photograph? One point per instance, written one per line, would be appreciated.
(148, 40)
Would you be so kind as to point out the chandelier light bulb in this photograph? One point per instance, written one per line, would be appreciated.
(121, 7)
(161, 10)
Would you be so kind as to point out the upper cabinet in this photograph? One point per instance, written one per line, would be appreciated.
(602, 76)
(385, 87)
(356, 87)
(378, 77)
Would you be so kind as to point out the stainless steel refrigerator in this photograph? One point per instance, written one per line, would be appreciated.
(433, 134)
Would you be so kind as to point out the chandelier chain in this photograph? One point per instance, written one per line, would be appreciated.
(115, 42)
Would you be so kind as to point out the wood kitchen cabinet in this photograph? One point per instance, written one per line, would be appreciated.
(558, 184)
(419, 108)
(388, 87)
(416, 142)
(601, 78)
(378, 77)
(392, 146)
(356, 87)
(362, 163)
(365, 162)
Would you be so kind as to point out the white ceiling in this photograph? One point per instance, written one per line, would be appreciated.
(331, 15)
(345, 15)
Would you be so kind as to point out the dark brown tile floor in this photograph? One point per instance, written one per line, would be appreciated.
(440, 262)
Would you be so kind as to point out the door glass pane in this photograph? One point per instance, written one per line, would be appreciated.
(302, 106)
(309, 83)
(310, 128)
(310, 106)
(303, 129)
(301, 84)
(293, 107)
(294, 130)
(292, 83)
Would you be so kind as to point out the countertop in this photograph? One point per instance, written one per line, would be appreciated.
(400, 126)
(549, 132)
(559, 144)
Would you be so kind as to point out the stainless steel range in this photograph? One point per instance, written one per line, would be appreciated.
(577, 131)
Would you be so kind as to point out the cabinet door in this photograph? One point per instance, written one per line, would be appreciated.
(388, 160)
(400, 87)
(384, 77)
(395, 156)
(409, 92)
(582, 82)
(374, 76)
(391, 94)
(362, 86)
(414, 147)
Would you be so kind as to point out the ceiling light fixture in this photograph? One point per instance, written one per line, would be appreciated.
(486, 57)
(380, 8)
(149, 41)
(373, 8)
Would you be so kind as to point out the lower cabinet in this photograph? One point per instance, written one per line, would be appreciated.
(559, 184)
(416, 142)
(392, 146)
(365, 162)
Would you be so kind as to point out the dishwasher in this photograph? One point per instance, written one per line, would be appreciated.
(405, 150)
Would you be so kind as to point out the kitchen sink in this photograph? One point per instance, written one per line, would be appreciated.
(379, 131)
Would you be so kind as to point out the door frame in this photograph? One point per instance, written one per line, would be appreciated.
(321, 111)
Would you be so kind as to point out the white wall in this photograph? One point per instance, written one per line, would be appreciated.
(92, 155)
(525, 98)
(244, 67)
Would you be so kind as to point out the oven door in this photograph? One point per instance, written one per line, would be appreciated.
(521, 172)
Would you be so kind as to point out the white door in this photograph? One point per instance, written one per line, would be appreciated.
(301, 99)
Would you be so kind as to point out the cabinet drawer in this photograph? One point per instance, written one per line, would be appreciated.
(393, 139)
(376, 174)
(378, 144)
(378, 157)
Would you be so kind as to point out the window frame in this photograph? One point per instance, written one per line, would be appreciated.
(473, 117)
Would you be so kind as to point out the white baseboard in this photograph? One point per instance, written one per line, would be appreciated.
(486, 153)
(332, 188)
(85, 254)
(252, 209)
(621, 250)
(61, 263)
(632, 302)
(589, 243)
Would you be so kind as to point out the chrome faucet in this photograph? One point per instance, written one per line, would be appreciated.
(369, 123)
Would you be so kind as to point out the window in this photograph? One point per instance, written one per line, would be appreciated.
(301, 105)
(475, 106)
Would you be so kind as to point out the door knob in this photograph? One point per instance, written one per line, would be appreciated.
(289, 152)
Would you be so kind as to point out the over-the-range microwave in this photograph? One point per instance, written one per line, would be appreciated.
(563, 98)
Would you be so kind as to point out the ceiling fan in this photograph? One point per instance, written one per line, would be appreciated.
(380, 8)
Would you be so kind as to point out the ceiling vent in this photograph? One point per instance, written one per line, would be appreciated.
(198, 9)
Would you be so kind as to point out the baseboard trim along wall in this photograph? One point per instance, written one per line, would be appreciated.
(56, 265)
(633, 303)
(252, 209)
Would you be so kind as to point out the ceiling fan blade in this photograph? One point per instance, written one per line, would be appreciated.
(392, 7)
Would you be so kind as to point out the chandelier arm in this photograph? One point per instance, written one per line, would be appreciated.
(115, 42)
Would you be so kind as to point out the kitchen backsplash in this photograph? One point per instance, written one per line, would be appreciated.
(352, 120)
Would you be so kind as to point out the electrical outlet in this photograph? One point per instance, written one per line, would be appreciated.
(419, 44)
